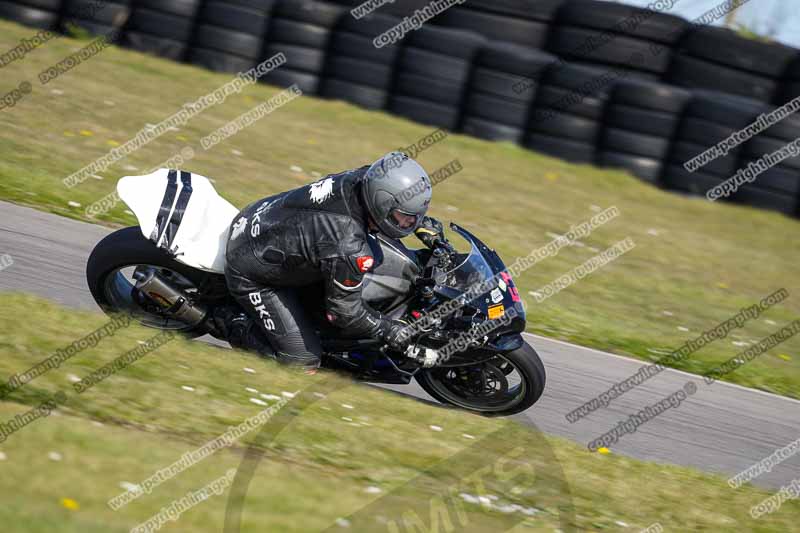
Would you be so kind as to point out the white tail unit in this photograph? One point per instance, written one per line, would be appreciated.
(181, 213)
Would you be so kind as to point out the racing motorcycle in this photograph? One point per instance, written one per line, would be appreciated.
(168, 272)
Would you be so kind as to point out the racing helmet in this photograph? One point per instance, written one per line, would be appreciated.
(396, 192)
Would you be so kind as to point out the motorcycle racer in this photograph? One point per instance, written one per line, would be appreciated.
(321, 232)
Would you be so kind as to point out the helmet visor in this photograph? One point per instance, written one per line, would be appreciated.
(401, 220)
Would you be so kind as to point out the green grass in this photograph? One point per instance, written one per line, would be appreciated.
(699, 261)
(318, 468)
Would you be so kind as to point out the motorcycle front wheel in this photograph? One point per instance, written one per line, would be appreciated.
(504, 385)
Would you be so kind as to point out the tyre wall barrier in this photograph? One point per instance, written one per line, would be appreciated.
(584, 80)
(161, 27)
(568, 112)
(302, 31)
(431, 75)
(94, 17)
(711, 117)
(42, 14)
(229, 35)
(356, 71)
(498, 106)
(639, 127)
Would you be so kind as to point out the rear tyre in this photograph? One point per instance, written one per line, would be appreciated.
(125, 249)
(439, 383)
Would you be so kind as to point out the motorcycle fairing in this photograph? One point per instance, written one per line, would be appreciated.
(182, 213)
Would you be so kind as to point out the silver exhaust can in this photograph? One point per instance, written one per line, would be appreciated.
(172, 301)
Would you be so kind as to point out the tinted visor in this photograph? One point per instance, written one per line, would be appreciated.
(401, 220)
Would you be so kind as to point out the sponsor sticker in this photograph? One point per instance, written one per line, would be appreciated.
(365, 263)
(496, 311)
(497, 296)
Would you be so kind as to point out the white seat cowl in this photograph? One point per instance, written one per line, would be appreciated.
(202, 237)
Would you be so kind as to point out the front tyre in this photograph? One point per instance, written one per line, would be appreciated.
(505, 385)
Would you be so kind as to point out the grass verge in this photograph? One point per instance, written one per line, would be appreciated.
(357, 446)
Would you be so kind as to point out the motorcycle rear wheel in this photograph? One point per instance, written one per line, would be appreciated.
(108, 276)
(441, 383)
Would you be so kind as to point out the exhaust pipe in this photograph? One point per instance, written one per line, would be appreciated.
(170, 299)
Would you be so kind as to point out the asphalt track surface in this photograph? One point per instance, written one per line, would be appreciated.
(722, 428)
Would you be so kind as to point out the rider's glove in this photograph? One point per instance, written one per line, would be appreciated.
(398, 336)
(430, 231)
(427, 357)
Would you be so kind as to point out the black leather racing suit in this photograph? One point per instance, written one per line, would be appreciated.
(316, 233)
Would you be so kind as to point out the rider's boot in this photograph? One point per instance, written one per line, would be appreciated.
(241, 332)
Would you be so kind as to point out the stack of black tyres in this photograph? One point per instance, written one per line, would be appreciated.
(402, 8)
(357, 71)
(301, 30)
(162, 27)
(778, 187)
(432, 74)
(721, 60)
(622, 39)
(524, 22)
(43, 14)
(502, 90)
(568, 112)
(640, 122)
(790, 83)
(99, 18)
(229, 34)
(711, 117)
